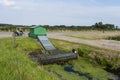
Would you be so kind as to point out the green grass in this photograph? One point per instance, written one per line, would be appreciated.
(109, 59)
(82, 70)
(117, 38)
(16, 65)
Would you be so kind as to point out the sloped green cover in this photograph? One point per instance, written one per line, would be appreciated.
(37, 30)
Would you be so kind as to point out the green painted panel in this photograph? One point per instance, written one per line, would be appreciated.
(32, 35)
(31, 30)
(39, 30)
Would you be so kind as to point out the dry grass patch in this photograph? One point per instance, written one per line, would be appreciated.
(93, 34)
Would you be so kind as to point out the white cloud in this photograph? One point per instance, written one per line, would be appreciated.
(8, 2)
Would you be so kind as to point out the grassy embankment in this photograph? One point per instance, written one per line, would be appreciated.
(16, 65)
(109, 59)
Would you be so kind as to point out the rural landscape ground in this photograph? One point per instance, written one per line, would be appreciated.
(60, 40)
(94, 38)
(97, 54)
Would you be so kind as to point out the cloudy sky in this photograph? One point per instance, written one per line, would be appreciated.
(56, 12)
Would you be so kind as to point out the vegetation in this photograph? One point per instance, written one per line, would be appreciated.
(100, 25)
(97, 26)
(96, 35)
(114, 38)
(80, 69)
(11, 27)
(16, 65)
(109, 59)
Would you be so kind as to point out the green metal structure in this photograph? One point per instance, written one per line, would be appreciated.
(37, 30)
(50, 53)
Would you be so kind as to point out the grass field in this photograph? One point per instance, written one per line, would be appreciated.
(16, 65)
(102, 56)
(92, 35)
(81, 70)
(85, 67)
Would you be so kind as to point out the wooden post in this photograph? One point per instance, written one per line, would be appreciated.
(14, 40)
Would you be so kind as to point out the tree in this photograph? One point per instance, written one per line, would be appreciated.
(103, 27)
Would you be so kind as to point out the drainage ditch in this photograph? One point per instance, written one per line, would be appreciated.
(34, 55)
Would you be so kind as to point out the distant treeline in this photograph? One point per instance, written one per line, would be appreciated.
(96, 26)
(11, 27)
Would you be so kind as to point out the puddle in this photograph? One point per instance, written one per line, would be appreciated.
(70, 69)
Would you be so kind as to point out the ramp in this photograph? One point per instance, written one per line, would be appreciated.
(55, 55)
(46, 44)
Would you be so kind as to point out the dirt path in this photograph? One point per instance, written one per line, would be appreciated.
(5, 34)
(9, 34)
(109, 44)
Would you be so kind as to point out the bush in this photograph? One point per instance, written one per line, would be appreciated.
(114, 38)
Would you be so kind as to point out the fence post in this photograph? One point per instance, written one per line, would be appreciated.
(14, 40)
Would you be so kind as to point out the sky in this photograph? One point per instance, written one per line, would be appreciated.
(59, 12)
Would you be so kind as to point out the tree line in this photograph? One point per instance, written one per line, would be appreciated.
(97, 26)
(11, 27)
(103, 27)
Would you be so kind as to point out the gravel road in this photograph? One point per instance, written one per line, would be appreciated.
(5, 34)
(9, 34)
